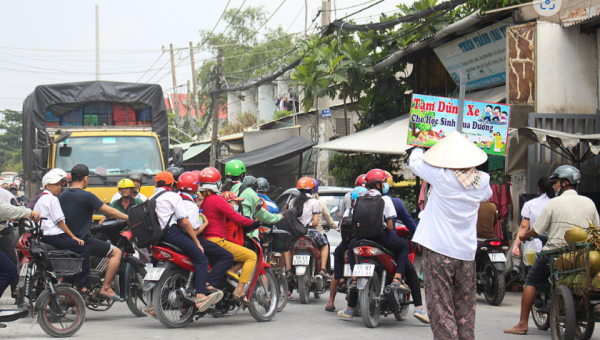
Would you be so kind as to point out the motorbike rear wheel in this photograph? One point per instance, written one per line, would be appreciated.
(304, 282)
(494, 290)
(370, 306)
(540, 318)
(403, 313)
(264, 298)
(169, 309)
(283, 290)
(55, 311)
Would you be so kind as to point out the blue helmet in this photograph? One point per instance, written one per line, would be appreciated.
(358, 191)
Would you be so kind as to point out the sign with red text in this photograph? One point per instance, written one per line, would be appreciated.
(433, 118)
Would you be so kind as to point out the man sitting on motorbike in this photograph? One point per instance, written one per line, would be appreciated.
(55, 230)
(311, 210)
(560, 214)
(388, 239)
(221, 259)
(78, 206)
(262, 189)
(217, 211)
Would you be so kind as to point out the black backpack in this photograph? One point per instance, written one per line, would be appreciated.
(144, 225)
(367, 218)
(347, 229)
(291, 224)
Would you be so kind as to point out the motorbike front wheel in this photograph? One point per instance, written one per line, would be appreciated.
(56, 311)
(370, 306)
(540, 318)
(283, 290)
(264, 298)
(168, 307)
(494, 284)
(137, 299)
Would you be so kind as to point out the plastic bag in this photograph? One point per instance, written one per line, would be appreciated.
(530, 249)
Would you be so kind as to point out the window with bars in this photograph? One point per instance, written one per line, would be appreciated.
(340, 127)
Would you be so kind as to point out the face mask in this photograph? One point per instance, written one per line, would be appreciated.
(386, 188)
(236, 208)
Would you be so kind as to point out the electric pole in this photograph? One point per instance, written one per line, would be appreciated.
(174, 84)
(214, 104)
(97, 42)
(194, 80)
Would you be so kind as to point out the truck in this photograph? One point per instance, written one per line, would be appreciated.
(112, 127)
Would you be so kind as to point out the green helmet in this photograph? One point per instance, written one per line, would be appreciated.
(568, 172)
(234, 168)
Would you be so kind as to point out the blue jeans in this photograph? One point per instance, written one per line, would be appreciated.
(174, 236)
(63, 241)
(8, 270)
(393, 243)
(222, 260)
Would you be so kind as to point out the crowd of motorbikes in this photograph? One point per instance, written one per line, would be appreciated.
(44, 290)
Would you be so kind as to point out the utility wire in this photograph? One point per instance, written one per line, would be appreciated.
(353, 6)
(234, 17)
(360, 10)
(265, 64)
(296, 18)
(160, 56)
(347, 27)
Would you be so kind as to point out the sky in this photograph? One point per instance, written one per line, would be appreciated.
(46, 42)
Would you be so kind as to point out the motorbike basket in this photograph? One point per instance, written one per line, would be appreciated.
(64, 262)
(282, 241)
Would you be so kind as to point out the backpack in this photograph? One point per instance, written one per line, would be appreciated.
(144, 225)
(367, 216)
(347, 229)
(291, 224)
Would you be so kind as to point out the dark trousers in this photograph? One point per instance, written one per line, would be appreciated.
(8, 271)
(220, 259)
(338, 260)
(395, 244)
(64, 242)
(174, 236)
(8, 248)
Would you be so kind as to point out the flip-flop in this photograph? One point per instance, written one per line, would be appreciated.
(115, 298)
(330, 308)
(515, 331)
(87, 293)
(241, 299)
(207, 301)
(149, 312)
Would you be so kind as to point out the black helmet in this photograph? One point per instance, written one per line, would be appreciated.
(175, 171)
(134, 174)
(263, 184)
(251, 182)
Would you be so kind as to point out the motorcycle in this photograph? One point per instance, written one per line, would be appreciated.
(490, 263)
(375, 269)
(274, 242)
(172, 282)
(58, 306)
(128, 283)
(306, 261)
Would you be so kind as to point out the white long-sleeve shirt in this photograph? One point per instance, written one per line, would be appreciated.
(449, 222)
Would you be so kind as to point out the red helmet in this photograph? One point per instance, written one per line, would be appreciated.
(209, 175)
(360, 181)
(305, 183)
(376, 176)
(197, 172)
(188, 181)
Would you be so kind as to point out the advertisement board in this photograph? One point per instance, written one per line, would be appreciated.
(480, 56)
(433, 118)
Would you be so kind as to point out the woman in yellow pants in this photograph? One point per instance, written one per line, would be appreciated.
(217, 211)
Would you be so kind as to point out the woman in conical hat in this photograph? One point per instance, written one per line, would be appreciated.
(448, 231)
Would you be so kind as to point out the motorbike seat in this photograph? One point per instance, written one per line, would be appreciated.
(48, 247)
(172, 246)
(374, 244)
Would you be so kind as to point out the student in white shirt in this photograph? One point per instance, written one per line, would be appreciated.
(448, 232)
(54, 229)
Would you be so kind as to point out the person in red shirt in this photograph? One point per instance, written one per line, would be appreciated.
(235, 232)
(217, 211)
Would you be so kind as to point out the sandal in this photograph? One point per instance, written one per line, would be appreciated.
(241, 299)
(330, 308)
(400, 285)
(289, 275)
(115, 297)
(86, 293)
(150, 312)
(207, 301)
(342, 287)
(324, 274)
(212, 290)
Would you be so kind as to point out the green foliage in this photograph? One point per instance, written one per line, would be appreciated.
(346, 168)
(409, 198)
(281, 114)
(11, 141)
(244, 121)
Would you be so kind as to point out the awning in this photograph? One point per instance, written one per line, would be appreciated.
(568, 143)
(286, 149)
(493, 95)
(386, 138)
(195, 150)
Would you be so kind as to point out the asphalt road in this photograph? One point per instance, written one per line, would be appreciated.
(295, 322)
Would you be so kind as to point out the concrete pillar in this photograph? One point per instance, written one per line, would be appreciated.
(249, 104)
(234, 106)
(266, 103)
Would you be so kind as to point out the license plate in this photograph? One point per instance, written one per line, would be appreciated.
(23, 271)
(154, 274)
(497, 257)
(301, 260)
(347, 271)
(363, 270)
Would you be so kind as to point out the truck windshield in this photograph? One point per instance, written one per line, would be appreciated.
(110, 155)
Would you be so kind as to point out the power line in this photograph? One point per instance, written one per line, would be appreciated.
(160, 56)
(263, 25)
(264, 64)
(360, 10)
(353, 6)
(234, 17)
(296, 18)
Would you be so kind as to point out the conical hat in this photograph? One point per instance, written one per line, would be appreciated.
(455, 151)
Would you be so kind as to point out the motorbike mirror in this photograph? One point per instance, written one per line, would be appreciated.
(334, 210)
(259, 205)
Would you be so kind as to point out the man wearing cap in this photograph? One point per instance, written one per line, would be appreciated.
(78, 206)
(560, 214)
(136, 177)
(448, 232)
